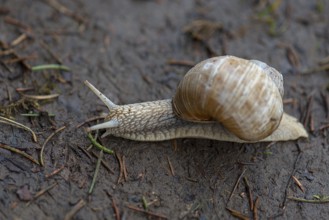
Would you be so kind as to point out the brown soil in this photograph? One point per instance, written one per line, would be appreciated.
(123, 47)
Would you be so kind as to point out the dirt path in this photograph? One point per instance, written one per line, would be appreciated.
(130, 49)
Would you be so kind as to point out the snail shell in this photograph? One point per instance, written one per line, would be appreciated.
(245, 96)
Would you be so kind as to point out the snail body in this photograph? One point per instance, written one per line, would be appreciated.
(223, 98)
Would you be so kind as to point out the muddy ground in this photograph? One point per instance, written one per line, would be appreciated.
(130, 50)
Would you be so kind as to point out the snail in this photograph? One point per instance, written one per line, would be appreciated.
(223, 98)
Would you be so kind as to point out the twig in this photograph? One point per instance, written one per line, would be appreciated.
(36, 114)
(235, 186)
(54, 172)
(6, 52)
(292, 173)
(75, 209)
(41, 192)
(191, 179)
(98, 145)
(308, 110)
(103, 162)
(22, 62)
(145, 203)
(309, 200)
(237, 214)
(64, 10)
(255, 211)
(289, 101)
(86, 152)
(19, 125)
(171, 167)
(15, 150)
(18, 40)
(50, 67)
(116, 210)
(124, 167)
(174, 144)
(323, 127)
(20, 59)
(298, 183)
(121, 167)
(246, 163)
(9, 94)
(41, 97)
(47, 48)
(22, 89)
(6, 67)
(292, 54)
(15, 22)
(147, 212)
(46, 141)
(96, 172)
(251, 202)
(4, 10)
(311, 123)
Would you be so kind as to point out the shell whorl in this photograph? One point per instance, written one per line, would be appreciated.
(244, 95)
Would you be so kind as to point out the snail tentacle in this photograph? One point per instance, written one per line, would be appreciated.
(109, 124)
(110, 105)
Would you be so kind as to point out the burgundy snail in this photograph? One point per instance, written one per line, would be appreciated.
(222, 98)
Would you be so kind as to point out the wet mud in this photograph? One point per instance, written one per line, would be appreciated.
(135, 51)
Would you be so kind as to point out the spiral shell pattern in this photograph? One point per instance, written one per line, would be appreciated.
(244, 95)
